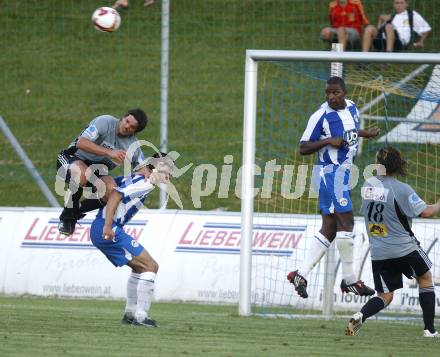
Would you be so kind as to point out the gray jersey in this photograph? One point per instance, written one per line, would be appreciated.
(102, 131)
(388, 206)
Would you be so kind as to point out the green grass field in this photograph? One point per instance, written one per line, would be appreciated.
(58, 327)
(58, 72)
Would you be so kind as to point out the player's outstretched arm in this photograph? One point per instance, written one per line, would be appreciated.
(310, 147)
(369, 133)
(112, 205)
(89, 146)
(431, 210)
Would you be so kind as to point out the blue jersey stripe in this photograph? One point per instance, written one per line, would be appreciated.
(317, 131)
(134, 190)
(335, 123)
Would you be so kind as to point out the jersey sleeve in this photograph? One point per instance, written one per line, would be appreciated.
(361, 11)
(314, 127)
(138, 157)
(410, 203)
(356, 117)
(135, 187)
(98, 127)
(119, 180)
(420, 24)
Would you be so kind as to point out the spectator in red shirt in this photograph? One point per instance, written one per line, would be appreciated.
(346, 20)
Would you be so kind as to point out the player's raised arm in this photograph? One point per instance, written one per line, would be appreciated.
(431, 210)
(369, 133)
(112, 205)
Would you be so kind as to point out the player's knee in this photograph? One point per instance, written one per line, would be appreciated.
(83, 181)
(155, 266)
(77, 173)
(346, 224)
(386, 297)
(370, 30)
(329, 229)
(425, 280)
(77, 176)
(341, 31)
(349, 227)
(149, 264)
(389, 27)
(326, 34)
(329, 233)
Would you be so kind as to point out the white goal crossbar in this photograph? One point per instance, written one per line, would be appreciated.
(249, 135)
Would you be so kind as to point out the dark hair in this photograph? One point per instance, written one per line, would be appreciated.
(337, 80)
(140, 117)
(392, 159)
(156, 155)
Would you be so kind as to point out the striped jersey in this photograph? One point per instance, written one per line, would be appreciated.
(134, 190)
(326, 123)
(388, 207)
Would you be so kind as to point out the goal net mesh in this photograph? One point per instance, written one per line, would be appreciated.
(403, 101)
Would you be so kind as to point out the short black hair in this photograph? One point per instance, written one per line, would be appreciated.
(140, 117)
(156, 155)
(337, 80)
(392, 159)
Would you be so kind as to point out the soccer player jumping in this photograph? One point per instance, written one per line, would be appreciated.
(107, 234)
(388, 206)
(333, 132)
(105, 141)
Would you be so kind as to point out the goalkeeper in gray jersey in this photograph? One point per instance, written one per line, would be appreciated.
(100, 147)
(388, 207)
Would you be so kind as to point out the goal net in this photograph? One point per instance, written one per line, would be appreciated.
(399, 93)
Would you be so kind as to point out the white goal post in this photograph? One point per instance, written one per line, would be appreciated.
(249, 135)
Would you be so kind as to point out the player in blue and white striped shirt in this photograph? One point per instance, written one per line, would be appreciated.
(107, 234)
(333, 132)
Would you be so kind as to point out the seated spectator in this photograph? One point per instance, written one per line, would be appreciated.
(346, 20)
(395, 32)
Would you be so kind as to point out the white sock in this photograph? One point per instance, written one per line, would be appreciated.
(132, 286)
(145, 292)
(318, 246)
(344, 242)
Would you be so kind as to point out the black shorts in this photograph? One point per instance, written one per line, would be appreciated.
(380, 44)
(64, 159)
(387, 273)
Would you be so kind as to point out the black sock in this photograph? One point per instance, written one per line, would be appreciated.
(72, 209)
(372, 307)
(427, 303)
(90, 204)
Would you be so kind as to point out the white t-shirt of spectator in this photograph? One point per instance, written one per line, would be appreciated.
(401, 25)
